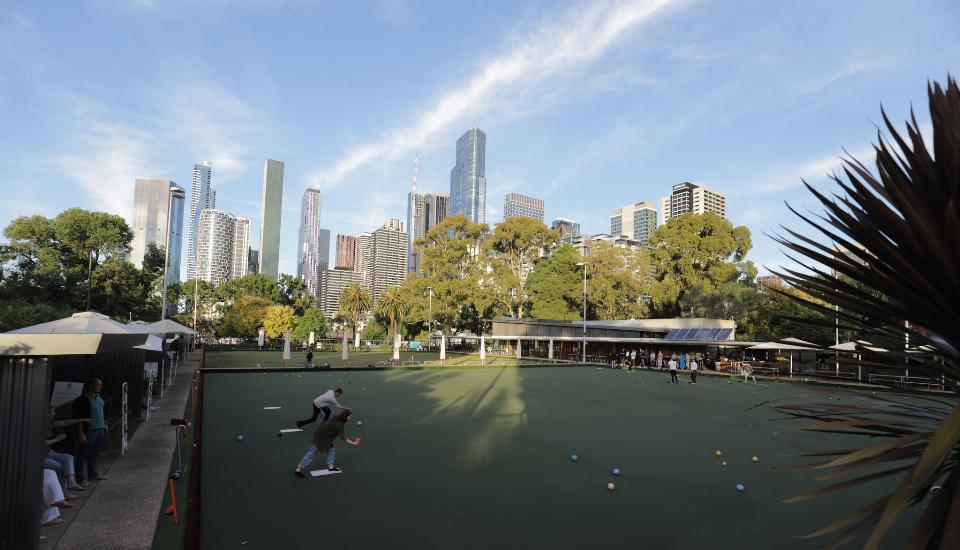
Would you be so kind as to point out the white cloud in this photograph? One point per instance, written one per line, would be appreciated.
(824, 81)
(551, 49)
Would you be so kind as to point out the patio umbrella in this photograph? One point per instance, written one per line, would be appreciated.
(286, 347)
(788, 344)
(169, 326)
(86, 322)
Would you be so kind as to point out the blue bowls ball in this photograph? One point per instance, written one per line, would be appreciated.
(359, 422)
(574, 458)
(740, 487)
(615, 471)
(239, 438)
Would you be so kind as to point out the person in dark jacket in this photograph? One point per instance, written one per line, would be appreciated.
(323, 438)
(90, 405)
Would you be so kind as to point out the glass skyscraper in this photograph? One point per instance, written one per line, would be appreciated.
(151, 206)
(201, 198)
(313, 252)
(468, 180)
(270, 212)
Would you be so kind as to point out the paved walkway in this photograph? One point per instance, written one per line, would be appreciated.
(121, 513)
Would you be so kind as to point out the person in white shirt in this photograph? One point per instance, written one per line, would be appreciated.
(322, 404)
(673, 371)
(693, 371)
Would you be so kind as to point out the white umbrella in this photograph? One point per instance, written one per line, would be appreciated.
(87, 322)
(788, 344)
(154, 343)
(286, 347)
(169, 326)
(311, 340)
(260, 338)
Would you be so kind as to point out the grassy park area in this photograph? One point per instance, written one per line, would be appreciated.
(481, 458)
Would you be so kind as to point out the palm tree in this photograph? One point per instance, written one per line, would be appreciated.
(894, 268)
(354, 300)
(392, 305)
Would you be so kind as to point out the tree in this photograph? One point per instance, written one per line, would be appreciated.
(277, 320)
(515, 246)
(313, 320)
(354, 301)
(451, 268)
(253, 284)
(696, 250)
(899, 230)
(616, 282)
(293, 292)
(210, 308)
(392, 306)
(17, 313)
(245, 316)
(554, 286)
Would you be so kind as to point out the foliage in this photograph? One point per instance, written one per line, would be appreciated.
(374, 330)
(209, 306)
(897, 232)
(616, 282)
(253, 284)
(245, 316)
(354, 301)
(312, 320)
(555, 286)
(696, 250)
(292, 291)
(392, 306)
(277, 320)
(17, 313)
(514, 248)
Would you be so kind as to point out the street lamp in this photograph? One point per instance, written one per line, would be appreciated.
(583, 351)
(175, 193)
(430, 318)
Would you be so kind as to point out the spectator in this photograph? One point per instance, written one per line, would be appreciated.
(90, 405)
(309, 358)
(53, 499)
(61, 463)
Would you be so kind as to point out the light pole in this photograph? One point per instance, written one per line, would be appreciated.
(430, 318)
(89, 277)
(175, 193)
(583, 351)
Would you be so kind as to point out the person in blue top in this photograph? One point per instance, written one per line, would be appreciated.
(683, 361)
(90, 405)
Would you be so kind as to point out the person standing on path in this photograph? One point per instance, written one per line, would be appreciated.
(683, 362)
(90, 405)
(309, 358)
(323, 438)
(693, 371)
(660, 359)
(322, 405)
(673, 371)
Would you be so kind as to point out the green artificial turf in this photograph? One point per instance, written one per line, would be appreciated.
(479, 458)
(274, 358)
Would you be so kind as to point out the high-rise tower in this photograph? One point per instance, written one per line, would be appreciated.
(313, 251)
(468, 179)
(152, 204)
(689, 197)
(202, 197)
(271, 209)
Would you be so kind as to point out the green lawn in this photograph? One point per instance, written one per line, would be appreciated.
(273, 358)
(479, 458)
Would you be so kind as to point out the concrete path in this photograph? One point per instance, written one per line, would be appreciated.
(121, 513)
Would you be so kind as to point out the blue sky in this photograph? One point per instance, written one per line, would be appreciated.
(589, 105)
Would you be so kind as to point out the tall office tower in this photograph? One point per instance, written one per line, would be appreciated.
(468, 180)
(253, 261)
(215, 247)
(690, 197)
(424, 212)
(516, 205)
(202, 196)
(567, 228)
(388, 266)
(363, 257)
(332, 283)
(634, 221)
(241, 248)
(152, 203)
(313, 251)
(346, 250)
(270, 212)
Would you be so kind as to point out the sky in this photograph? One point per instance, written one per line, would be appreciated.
(587, 105)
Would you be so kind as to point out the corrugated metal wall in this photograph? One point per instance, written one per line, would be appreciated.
(24, 386)
(113, 369)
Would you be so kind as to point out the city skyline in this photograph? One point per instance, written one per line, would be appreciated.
(583, 113)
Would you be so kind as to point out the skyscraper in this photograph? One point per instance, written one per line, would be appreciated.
(271, 209)
(635, 221)
(241, 248)
(215, 246)
(568, 229)
(424, 212)
(313, 251)
(253, 263)
(223, 246)
(690, 197)
(387, 264)
(202, 196)
(152, 204)
(346, 250)
(468, 180)
(516, 205)
(363, 256)
(332, 283)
